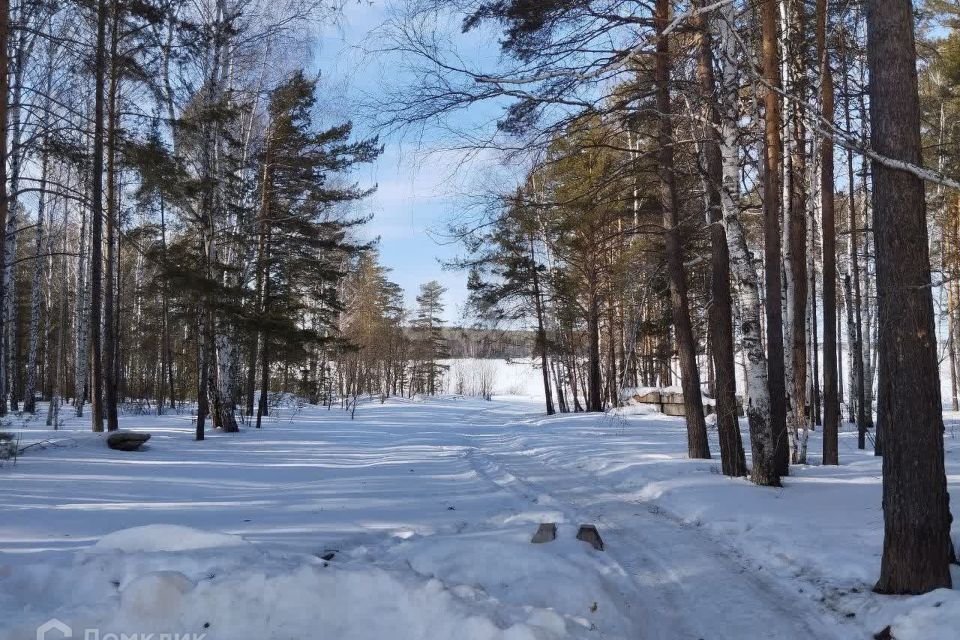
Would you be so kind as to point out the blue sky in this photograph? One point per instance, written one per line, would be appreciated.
(420, 187)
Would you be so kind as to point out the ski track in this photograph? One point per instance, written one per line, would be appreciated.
(674, 567)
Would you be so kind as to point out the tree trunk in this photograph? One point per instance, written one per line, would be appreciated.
(697, 445)
(916, 512)
(167, 340)
(262, 405)
(203, 405)
(952, 344)
(857, 392)
(541, 330)
(732, 458)
(751, 311)
(109, 294)
(11, 377)
(831, 377)
(4, 196)
(815, 418)
(594, 396)
(56, 397)
(265, 189)
(851, 339)
(36, 291)
(841, 310)
(96, 219)
(771, 217)
(797, 233)
(81, 317)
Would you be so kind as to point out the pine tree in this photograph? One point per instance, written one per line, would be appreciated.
(917, 548)
(430, 346)
(506, 280)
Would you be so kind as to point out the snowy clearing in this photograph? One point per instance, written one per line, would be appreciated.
(428, 508)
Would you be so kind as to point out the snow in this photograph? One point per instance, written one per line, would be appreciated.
(934, 616)
(275, 596)
(635, 410)
(628, 394)
(428, 508)
(166, 537)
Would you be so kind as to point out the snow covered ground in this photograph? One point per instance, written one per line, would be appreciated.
(428, 508)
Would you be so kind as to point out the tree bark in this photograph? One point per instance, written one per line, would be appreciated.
(56, 392)
(771, 217)
(167, 360)
(594, 395)
(917, 548)
(262, 405)
(109, 294)
(11, 376)
(202, 363)
(81, 318)
(855, 329)
(697, 445)
(831, 403)
(4, 196)
(814, 419)
(797, 233)
(952, 344)
(732, 460)
(96, 219)
(750, 317)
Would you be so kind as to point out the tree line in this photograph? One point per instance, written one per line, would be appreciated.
(177, 210)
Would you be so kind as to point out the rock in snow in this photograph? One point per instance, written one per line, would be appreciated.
(124, 440)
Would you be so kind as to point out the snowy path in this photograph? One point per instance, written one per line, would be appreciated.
(686, 586)
(430, 506)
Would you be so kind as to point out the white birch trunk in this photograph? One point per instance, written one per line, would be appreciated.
(81, 322)
(36, 295)
(813, 205)
(746, 279)
(13, 221)
(851, 338)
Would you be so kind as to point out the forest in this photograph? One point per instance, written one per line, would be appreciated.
(753, 203)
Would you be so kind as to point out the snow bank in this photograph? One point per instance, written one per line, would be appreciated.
(635, 410)
(564, 579)
(934, 616)
(493, 586)
(166, 537)
(628, 394)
